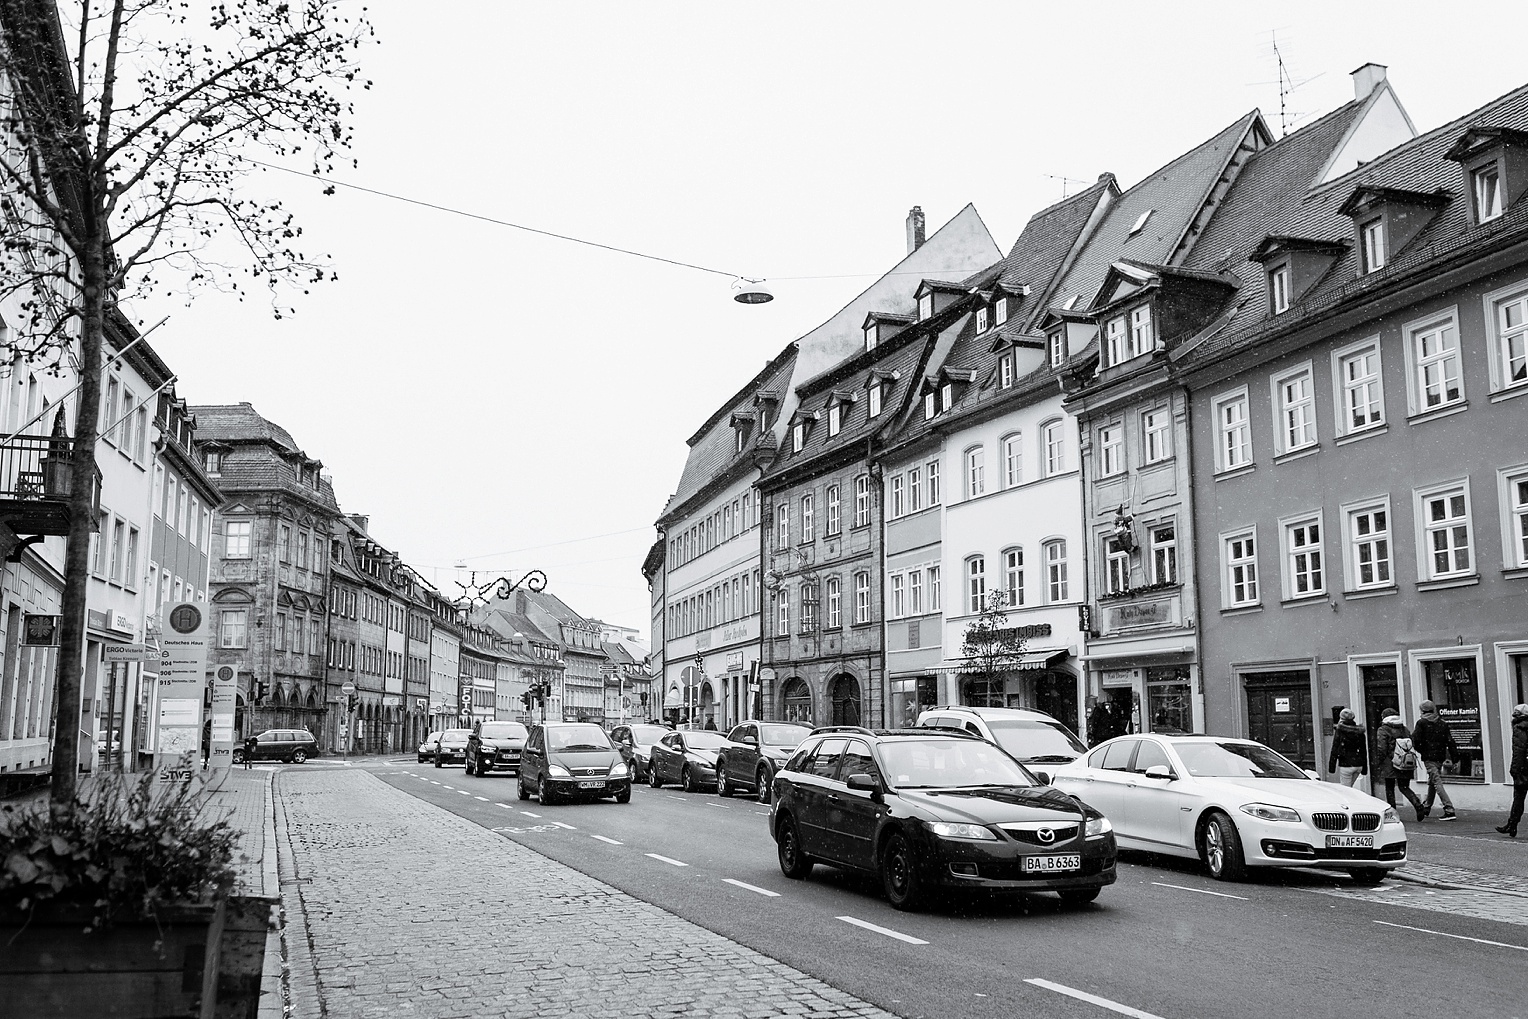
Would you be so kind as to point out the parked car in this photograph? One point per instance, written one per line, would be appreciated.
(495, 745)
(754, 751)
(1038, 740)
(635, 742)
(934, 810)
(687, 757)
(1233, 804)
(451, 748)
(427, 748)
(291, 745)
(568, 760)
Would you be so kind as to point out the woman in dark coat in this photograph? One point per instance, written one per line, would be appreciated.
(1518, 769)
(1349, 758)
(1391, 728)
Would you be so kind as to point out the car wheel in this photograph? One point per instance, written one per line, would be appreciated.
(238, 757)
(793, 862)
(299, 756)
(1220, 846)
(1079, 896)
(723, 787)
(520, 789)
(764, 778)
(1368, 875)
(544, 792)
(687, 779)
(624, 796)
(653, 778)
(421, 758)
(899, 874)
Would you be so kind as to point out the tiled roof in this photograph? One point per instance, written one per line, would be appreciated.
(1418, 165)
(238, 422)
(259, 455)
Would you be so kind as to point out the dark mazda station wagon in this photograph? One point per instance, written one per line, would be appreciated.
(933, 810)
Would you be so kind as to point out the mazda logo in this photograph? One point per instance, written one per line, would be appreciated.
(1046, 835)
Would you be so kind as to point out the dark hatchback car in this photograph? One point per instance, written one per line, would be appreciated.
(935, 811)
(688, 757)
(635, 742)
(754, 751)
(291, 745)
(451, 748)
(572, 760)
(495, 746)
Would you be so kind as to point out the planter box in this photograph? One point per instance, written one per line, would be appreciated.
(198, 962)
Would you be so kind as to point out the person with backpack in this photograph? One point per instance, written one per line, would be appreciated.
(1350, 749)
(1435, 744)
(1518, 770)
(1395, 760)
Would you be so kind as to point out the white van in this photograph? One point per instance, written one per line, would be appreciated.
(1039, 741)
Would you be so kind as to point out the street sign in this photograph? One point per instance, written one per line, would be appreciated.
(125, 653)
(40, 629)
(348, 689)
(182, 682)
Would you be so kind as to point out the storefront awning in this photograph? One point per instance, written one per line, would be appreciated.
(1037, 660)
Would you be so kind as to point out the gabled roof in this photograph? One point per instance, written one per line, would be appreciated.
(1483, 137)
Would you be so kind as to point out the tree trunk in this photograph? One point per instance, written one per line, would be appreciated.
(69, 682)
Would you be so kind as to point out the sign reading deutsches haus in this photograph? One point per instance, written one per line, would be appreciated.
(182, 679)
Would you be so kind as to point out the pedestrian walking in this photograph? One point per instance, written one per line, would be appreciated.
(1435, 745)
(1098, 722)
(1392, 731)
(1349, 758)
(250, 742)
(1518, 770)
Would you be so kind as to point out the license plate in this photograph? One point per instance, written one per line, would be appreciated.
(591, 785)
(1052, 864)
(1350, 842)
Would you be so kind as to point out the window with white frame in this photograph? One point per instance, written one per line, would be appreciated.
(931, 474)
(1278, 289)
(798, 436)
(782, 613)
(946, 396)
(976, 584)
(935, 602)
(1360, 393)
(832, 500)
(1055, 343)
(925, 306)
(914, 490)
(915, 592)
(871, 336)
(1013, 577)
(1239, 555)
(808, 518)
(1433, 349)
(929, 405)
(976, 472)
(1116, 567)
(1142, 336)
(1111, 449)
(898, 499)
(875, 397)
(1053, 439)
(1371, 240)
(898, 596)
(1304, 564)
(1294, 399)
(835, 603)
(1057, 587)
(835, 418)
(236, 541)
(861, 501)
(233, 627)
(1369, 546)
(862, 597)
(1116, 339)
(1000, 310)
(1509, 324)
(782, 526)
(1233, 446)
(981, 320)
(1163, 546)
(1514, 491)
(1157, 434)
(1013, 460)
(1486, 182)
(1447, 539)
(1005, 371)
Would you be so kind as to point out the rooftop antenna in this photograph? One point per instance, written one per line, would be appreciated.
(1065, 181)
(1286, 86)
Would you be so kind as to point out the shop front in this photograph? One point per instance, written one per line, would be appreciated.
(1149, 691)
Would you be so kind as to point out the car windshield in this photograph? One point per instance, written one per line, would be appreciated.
(704, 739)
(1036, 742)
(783, 735)
(1235, 760)
(648, 733)
(455, 736)
(949, 763)
(432, 737)
(578, 737)
(503, 730)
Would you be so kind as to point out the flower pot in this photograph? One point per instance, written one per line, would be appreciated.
(137, 969)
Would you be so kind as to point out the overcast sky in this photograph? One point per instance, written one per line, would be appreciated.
(514, 401)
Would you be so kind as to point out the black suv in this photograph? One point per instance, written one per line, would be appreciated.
(495, 745)
(291, 745)
(934, 809)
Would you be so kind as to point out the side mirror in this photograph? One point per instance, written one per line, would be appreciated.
(1312, 775)
(1043, 777)
(750, 741)
(1160, 771)
(865, 784)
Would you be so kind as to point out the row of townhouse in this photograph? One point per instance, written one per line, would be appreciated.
(1233, 448)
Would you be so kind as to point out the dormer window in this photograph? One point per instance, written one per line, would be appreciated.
(946, 396)
(930, 405)
(1000, 310)
(875, 397)
(981, 320)
(739, 440)
(214, 461)
(1005, 371)
(1114, 334)
(1278, 289)
(1371, 239)
(1055, 344)
(925, 306)
(1486, 185)
(1142, 336)
(835, 418)
(798, 436)
(872, 336)
(1140, 222)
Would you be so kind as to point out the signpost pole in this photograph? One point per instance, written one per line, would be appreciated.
(182, 681)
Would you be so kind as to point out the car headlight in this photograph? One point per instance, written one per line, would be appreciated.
(955, 830)
(558, 771)
(618, 770)
(1097, 827)
(1390, 816)
(1269, 812)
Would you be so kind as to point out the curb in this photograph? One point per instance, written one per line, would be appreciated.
(302, 994)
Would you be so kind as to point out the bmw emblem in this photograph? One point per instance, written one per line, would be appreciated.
(1046, 835)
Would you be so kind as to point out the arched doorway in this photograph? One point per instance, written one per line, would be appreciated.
(706, 715)
(844, 694)
(797, 702)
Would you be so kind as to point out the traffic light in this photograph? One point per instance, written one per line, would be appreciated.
(262, 688)
(525, 699)
(354, 703)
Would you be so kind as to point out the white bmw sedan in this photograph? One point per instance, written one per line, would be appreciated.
(1233, 803)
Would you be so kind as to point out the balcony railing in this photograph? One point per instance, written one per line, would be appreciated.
(36, 481)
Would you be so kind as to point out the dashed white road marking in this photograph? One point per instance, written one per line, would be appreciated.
(666, 859)
(762, 813)
(506, 806)
(724, 806)
(1461, 937)
(1092, 999)
(673, 797)
(464, 792)
(527, 813)
(752, 888)
(483, 798)
(559, 824)
(883, 930)
(1201, 891)
(607, 839)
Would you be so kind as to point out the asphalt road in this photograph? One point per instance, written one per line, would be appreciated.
(1164, 941)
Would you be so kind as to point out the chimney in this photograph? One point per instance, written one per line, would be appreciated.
(915, 229)
(361, 520)
(1366, 78)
